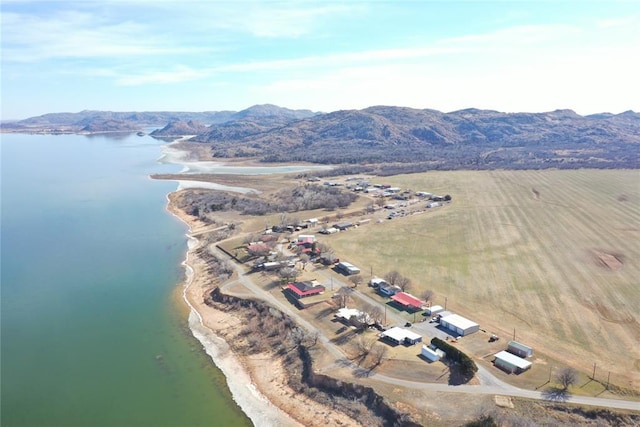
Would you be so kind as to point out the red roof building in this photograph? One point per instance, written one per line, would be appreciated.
(408, 301)
(305, 289)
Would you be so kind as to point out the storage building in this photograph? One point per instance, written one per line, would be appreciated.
(305, 289)
(459, 325)
(433, 310)
(399, 335)
(519, 349)
(432, 355)
(511, 363)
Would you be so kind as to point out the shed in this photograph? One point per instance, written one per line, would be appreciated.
(429, 354)
(519, 349)
(459, 325)
(408, 301)
(343, 226)
(401, 336)
(434, 309)
(511, 363)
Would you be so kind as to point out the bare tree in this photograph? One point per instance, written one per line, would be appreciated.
(356, 280)
(284, 219)
(363, 347)
(288, 273)
(304, 259)
(396, 279)
(344, 295)
(378, 352)
(377, 314)
(566, 377)
(427, 295)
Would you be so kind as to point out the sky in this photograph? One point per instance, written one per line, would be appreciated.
(143, 55)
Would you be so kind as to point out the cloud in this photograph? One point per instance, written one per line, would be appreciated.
(178, 75)
(72, 34)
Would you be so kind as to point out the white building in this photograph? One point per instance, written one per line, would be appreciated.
(399, 335)
(459, 325)
(511, 363)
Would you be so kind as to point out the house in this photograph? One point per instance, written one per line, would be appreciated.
(347, 268)
(510, 362)
(399, 335)
(519, 349)
(388, 290)
(459, 325)
(306, 240)
(304, 289)
(313, 222)
(343, 226)
(353, 316)
(408, 301)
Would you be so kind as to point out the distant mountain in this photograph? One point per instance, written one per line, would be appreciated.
(93, 121)
(180, 128)
(403, 139)
(254, 119)
(468, 138)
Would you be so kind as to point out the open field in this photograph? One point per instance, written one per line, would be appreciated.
(551, 254)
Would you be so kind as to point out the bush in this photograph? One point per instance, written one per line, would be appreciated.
(468, 367)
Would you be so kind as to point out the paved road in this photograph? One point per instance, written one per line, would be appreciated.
(489, 384)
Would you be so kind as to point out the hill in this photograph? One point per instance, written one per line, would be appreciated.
(467, 139)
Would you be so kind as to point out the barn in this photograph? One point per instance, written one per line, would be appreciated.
(459, 325)
(519, 349)
(304, 289)
(399, 335)
(511, 363)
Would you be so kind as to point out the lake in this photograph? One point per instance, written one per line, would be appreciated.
(91, 331)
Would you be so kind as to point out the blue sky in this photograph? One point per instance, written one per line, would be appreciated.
(142, 55)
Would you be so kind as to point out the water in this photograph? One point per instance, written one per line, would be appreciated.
(91, 333)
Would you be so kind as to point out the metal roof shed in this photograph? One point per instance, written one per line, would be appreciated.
(458, 324)
(429, 354)
(519, 349)
(510, 362)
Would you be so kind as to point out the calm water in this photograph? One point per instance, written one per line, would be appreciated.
(90, 333)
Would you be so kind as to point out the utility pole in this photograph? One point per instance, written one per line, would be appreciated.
(608, 376)
(550, 367)
(514, 334)
(445, 303)
(593, 377)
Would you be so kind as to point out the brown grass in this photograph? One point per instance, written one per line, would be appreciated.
(510, 257)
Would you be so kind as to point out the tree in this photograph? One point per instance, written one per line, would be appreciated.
(304, 259)
(396, 279)
(288, 273)
(427, 295)
(377, 314)
(344, 294)
(356, 280)
(378, 352)
(566, 377)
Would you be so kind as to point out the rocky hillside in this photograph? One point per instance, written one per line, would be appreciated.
(180, 128)
(462, 139)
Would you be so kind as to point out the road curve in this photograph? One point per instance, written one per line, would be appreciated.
(489, 384)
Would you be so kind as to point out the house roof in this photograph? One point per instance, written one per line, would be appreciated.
(458, 321)
(408, 300)
(399, 334)
(513, 360)
(305, 288)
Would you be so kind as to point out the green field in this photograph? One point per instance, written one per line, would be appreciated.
(552, 254)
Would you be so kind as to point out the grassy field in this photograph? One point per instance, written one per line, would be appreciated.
(552, 254)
